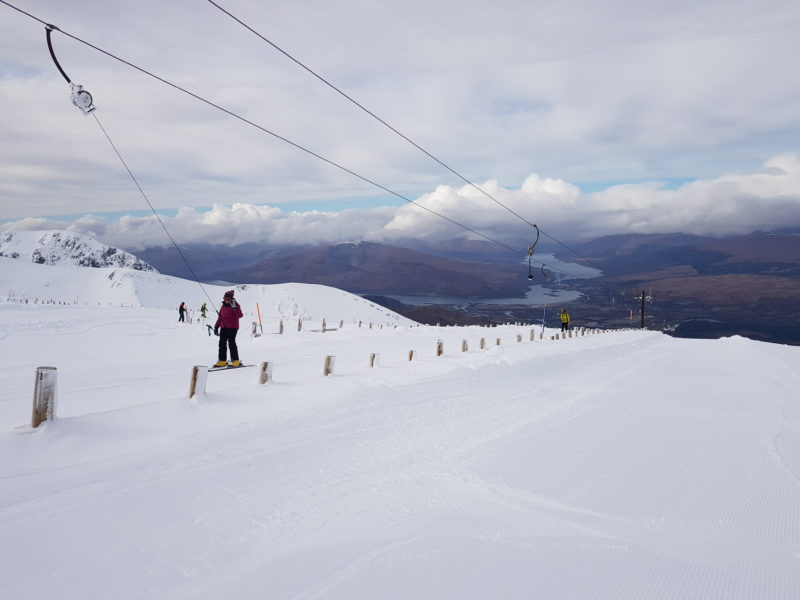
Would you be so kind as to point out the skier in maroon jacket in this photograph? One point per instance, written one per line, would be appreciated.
(226, 327)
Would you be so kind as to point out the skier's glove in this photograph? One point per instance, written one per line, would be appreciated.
(233, 303)
(216, 331)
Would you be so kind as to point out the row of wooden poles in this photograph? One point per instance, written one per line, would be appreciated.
(197, 383)
(44, 393)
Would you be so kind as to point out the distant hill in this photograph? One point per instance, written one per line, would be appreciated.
(362, 267)
(378, 268)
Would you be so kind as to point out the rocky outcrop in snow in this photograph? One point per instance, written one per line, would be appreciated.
(66, 248)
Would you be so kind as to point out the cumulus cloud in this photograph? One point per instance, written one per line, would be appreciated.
(736, 203)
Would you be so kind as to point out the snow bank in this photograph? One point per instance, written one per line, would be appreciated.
(622, 465)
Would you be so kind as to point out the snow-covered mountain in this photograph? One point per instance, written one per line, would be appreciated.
(66, 248)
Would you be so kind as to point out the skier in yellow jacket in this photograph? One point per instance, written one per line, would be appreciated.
(564, 319)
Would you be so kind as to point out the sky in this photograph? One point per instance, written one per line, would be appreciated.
(588, 118)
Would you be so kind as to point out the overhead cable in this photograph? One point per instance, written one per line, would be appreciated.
(386, 124)
(268, 131)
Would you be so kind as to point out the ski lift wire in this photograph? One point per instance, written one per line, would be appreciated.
(382, 121)
(158, 217)
(267, 131)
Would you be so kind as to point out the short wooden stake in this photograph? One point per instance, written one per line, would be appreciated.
(330, 362)
(373, 359)
(519, 337)
(410, 355)
(464, 346)
(359, 323)
(324, 325)
(197, 385)
(497, 342)
(533, 335)
(44, 395)
(280, 327)
(341, 323)
(265, 373)
(483, 343)
(299, 324)
(439, 348)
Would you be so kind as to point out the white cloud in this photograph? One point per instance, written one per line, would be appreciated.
(737, 203)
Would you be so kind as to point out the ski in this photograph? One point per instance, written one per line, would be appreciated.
(228, 368)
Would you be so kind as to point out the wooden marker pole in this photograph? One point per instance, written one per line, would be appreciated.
(330, 362)
(44, 395)
(197, 384)
(464, 346)
(483, 343)
(258, 310)
(439, 348)
(265, 373)
(373, 359)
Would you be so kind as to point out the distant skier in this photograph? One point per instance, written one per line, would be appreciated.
(226, 327)
(182, 312)
(203, 310)
(564, 319)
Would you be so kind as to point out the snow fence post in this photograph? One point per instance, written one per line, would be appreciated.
(265, 373)
(439, 347)
(410, 355)
(519, 337)
(330, 362)
(533, 335)
(280, 327)
(497, 342)
(197, 384)
(464, 346)
(341, 323)
(44, 395)
(373, 359)
(483, 343)
(324, 325)
(299, 324)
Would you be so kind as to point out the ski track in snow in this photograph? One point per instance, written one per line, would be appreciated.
(625, 465)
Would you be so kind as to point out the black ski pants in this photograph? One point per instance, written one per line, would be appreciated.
(564, 326)
(227, 337)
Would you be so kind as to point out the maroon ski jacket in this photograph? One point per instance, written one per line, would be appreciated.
(229, 317)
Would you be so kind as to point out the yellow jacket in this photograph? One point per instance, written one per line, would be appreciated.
(565, 317)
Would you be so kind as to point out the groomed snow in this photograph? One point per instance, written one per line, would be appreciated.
(622, 465)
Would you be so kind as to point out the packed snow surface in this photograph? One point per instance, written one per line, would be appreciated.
(618, 465)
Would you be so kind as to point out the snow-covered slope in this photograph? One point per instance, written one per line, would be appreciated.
(36, 284)
(65, 248)
(614, 466)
